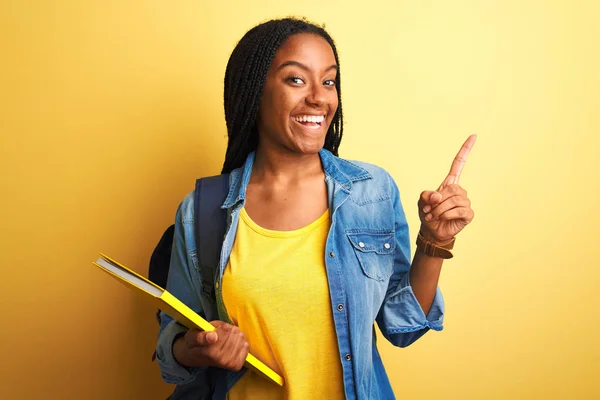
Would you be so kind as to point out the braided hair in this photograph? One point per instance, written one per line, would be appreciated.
(245, 78)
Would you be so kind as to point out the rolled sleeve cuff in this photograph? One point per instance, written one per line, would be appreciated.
(405, 320)
(173, 372)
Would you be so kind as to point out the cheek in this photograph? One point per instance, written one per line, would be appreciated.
(284, 103)
(270, 108)
(333, 104)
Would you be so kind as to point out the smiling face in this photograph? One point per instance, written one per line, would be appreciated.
(299, 99)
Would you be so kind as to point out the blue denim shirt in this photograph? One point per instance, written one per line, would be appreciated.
(367, 259)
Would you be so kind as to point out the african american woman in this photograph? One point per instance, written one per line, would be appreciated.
(316, 248)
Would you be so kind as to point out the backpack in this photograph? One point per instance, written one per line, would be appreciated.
(209, 222)
(209, 228)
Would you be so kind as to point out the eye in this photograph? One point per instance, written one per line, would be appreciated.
(330, 82)
(295, 80)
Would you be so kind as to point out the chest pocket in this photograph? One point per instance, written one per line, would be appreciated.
(375, 253)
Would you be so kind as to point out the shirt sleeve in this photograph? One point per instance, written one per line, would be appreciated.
(183, 282)
(401, 318)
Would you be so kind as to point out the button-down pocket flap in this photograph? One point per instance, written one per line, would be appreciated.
(375, 253)
(380, 243)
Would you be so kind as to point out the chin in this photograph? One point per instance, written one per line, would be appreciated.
(309, 146)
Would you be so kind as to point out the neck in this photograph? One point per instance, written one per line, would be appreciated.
(284, 166)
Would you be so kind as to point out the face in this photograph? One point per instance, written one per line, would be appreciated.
(299, 98)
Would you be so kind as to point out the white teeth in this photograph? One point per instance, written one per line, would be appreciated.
(310, 118)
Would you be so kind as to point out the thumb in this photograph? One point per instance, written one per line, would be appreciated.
(428, 200)
(211, 337)
(203, 338)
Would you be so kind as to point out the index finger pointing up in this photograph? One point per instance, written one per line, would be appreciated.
(459, 162)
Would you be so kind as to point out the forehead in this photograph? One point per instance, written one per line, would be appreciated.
(307, 48)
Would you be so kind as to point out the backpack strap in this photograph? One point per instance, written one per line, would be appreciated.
(210, 223)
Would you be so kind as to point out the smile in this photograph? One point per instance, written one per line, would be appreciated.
(310, 121)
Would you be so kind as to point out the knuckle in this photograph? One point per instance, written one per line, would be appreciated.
(224, 363)
(210, 356)
(211, 352)
(200, 337)
(193, 338)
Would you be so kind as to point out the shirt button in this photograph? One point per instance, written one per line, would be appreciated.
(340, 307)
(217, 285)
(348, 357)
(361, 244)
(331, 254)
(387, 245)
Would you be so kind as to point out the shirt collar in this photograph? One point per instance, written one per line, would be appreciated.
(341, 171)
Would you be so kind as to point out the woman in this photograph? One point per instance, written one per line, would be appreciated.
(316, 247)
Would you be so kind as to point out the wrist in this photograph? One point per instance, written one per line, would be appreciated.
(178, 349)
(435, 248)
(431, 238)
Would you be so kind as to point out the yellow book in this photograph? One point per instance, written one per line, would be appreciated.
(174, 308)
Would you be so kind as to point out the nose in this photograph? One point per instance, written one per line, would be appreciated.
(317, 96)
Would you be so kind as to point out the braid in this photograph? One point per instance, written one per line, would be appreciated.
(245, 78)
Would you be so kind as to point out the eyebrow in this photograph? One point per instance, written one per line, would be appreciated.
(304, 67)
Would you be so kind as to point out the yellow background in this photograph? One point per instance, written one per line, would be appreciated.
(111, 109)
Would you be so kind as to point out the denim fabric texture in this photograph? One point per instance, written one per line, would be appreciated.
(367, 258)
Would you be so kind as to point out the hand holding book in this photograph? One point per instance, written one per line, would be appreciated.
(198, 346)
(225, 347)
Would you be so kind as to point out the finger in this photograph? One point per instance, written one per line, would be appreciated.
(465, 214)
(216, 323)
(448, 204)
(449, 191)
(232, 349)
(459, 162)
(224, 330)
(243, 353)
(428, 199)
(233, 338)
(239, 352)
(445, 193)
(202, 338)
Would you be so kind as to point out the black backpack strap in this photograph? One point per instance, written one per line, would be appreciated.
(210, 221)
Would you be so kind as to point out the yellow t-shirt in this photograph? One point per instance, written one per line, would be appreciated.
(275, 290)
